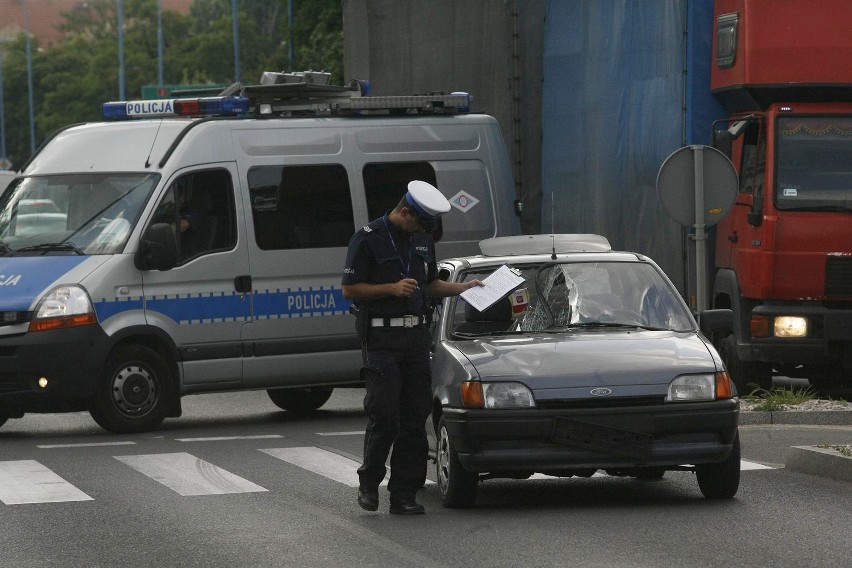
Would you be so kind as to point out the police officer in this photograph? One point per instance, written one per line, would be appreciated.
(390, 270)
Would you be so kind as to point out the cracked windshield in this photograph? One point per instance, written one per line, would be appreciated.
(72, 214)
(563, 296)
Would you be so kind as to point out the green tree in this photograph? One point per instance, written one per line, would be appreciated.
(73, 78)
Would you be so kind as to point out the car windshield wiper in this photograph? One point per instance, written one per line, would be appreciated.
(495, 333)
(50, 247)
(602, 324)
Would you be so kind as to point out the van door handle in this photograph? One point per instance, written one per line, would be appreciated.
(242, 284)
(733, 238)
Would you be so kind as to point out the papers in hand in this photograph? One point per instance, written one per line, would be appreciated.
(497, 285)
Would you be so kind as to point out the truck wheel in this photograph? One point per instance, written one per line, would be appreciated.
(720, 480)
(4, 416)
(744, 374)
(300, 401)
(456, 484)
(131, 396)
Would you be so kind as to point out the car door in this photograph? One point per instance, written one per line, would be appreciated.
(197, 302)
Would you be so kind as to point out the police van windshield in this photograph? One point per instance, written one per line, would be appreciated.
(72, 213)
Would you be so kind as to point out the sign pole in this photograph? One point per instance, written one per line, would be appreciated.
(700, 234)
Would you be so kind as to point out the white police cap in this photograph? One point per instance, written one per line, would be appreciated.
(426, 200)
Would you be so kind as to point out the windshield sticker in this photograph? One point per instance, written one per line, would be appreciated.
(463, 201)
(790, 192)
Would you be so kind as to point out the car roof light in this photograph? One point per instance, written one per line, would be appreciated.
(119, 110)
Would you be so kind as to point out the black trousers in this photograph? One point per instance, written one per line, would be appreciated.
(397, 402)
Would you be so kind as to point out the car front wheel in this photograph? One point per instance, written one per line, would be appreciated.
(131, 396)
(456, 484)
(720, 480)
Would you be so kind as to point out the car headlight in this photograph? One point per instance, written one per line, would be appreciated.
(707, 386)
(64, 306)
(476, 394)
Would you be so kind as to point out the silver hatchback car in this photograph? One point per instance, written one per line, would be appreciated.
(594, 363)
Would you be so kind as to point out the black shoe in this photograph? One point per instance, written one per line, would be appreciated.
(369, 500)
(407, 507)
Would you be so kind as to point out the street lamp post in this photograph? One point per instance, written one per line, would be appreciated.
(3, 159)
(29, 77)
(236, 27)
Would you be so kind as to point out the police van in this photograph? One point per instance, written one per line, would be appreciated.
(196, 244)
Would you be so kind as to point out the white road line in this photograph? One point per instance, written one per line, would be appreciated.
(90, 445)
(188, 475)
(27, 481)
(750, 466)
(221, 438)
(351, 433)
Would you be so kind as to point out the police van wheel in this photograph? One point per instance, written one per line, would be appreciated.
(457, 485)
(300, 401)
(131, 396)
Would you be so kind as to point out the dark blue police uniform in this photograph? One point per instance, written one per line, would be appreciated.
(397, 365)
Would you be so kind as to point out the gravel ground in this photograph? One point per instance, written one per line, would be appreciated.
(810, 405)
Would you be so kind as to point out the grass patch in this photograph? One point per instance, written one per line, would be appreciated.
(842, 450)
(776, 398)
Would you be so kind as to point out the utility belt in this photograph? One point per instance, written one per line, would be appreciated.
(402, 321)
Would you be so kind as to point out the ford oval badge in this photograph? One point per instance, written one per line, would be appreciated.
(600, 392)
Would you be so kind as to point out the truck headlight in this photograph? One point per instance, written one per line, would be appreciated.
(790, 326)
(64, 306)
(476, 394)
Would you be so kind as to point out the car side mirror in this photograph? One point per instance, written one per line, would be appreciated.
(716, 320)
(157, 249)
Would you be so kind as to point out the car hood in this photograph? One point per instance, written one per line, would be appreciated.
(589, 359)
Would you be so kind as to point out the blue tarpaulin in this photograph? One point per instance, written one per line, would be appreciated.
(626, 83)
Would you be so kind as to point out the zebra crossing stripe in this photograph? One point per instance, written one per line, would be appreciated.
(322, 462)
(28, 481)
(188, 475)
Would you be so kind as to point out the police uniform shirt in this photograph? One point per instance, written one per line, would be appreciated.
(374, 259)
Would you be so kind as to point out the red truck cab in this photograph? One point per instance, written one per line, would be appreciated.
(784, 252)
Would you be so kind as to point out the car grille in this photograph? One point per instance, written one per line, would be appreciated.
(601, 402)
(838, 276)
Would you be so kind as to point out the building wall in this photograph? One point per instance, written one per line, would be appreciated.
(46, 15)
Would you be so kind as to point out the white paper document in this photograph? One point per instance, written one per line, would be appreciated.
(498, 284)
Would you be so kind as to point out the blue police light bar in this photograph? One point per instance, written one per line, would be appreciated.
(205, 106)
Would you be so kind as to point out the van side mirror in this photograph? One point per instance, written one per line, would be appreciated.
(716, 321)
(157, 249)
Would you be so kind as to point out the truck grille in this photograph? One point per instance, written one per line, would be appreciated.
(838, 276)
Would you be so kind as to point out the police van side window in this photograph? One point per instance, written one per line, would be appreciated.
(301, 207)
(200, 208)
(386, 183)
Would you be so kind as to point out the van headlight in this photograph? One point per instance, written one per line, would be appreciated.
(64, 306)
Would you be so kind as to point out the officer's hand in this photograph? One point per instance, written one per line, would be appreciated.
(472, 283)
(404, 288)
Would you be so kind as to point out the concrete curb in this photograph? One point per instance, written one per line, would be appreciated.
(824, 462)
(815, 417)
